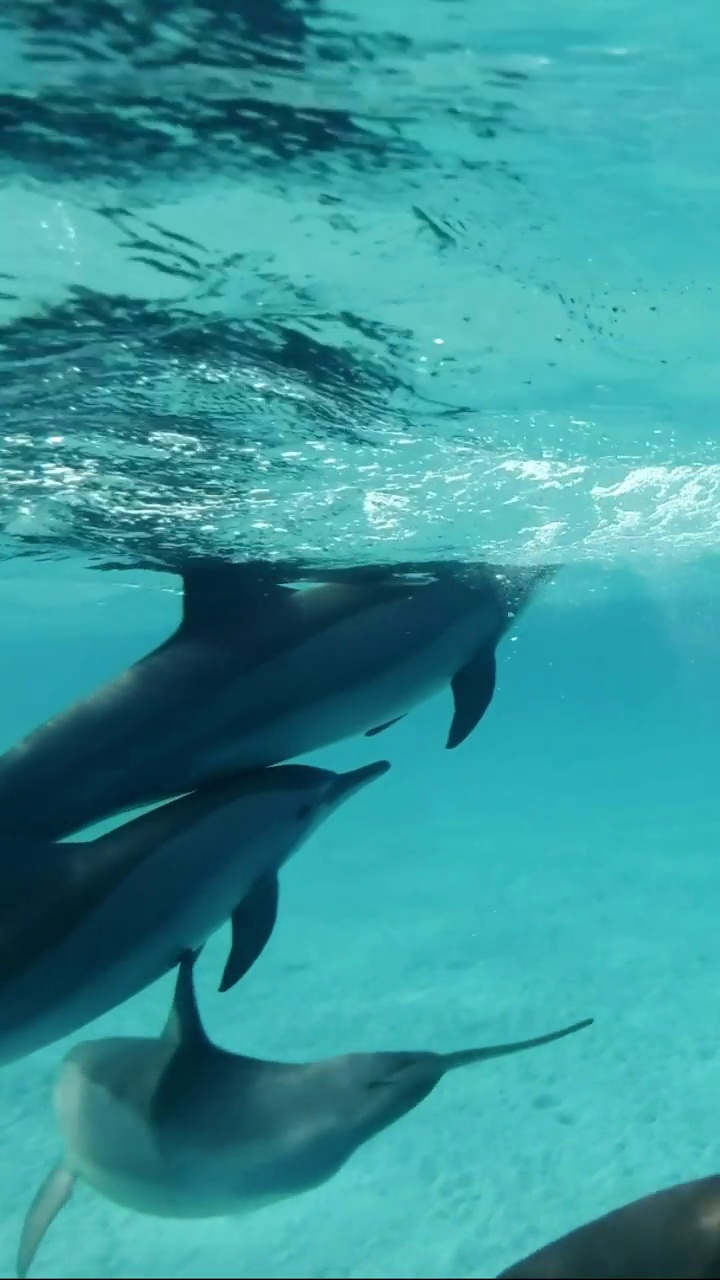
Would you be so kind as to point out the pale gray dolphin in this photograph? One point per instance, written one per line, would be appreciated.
(177, 1127)
(259, 672)
(671, 1234)
(90, 924)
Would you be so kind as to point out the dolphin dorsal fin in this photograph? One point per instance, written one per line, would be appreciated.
(184, 1025)
(218, 593)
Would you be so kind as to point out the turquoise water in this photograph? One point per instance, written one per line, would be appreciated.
(446, 288)
(561, 865)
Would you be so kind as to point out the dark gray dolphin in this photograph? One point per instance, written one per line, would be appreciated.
(671, 1235)
(87, 925)
(259, 672)
(177, 1127)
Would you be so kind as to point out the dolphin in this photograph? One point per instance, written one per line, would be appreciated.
(669, 1234)
(259, 672)
(85, 929)
(177, 1127)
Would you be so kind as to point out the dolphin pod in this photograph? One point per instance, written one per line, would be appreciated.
(259, 672)
(133, 900)
(262, 668)
(177, 1127)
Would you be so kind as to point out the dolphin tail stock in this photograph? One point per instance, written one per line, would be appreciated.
(50, 1199)
(466, 1057)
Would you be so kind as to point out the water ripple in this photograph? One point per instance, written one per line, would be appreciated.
(328, 281)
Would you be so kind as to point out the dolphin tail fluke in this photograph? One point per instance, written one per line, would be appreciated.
(253, 921)
(465, 1057)
(473, 688)
(52, 1196)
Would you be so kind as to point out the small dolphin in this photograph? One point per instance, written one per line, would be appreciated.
(259, 672)
(671, 1234)
(179, 1128)
(90, 926)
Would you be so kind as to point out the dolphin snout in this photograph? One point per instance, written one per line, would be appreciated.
(347, 784)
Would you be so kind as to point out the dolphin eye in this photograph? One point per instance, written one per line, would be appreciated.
(304, 812)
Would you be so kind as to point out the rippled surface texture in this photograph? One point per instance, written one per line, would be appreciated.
(329, 280)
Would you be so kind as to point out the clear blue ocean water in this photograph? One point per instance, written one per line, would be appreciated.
(356, 283)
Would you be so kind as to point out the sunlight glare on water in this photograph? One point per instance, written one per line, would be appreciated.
(366, 286)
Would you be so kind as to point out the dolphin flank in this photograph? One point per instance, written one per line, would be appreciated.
(85, 926)
(259, 672)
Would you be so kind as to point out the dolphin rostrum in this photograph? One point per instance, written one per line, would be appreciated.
(259, 672)
(670, 1234)
(85, 929)
(177, 1127)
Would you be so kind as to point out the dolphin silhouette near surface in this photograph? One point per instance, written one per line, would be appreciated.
(175, 1126)
(85, 929)
(259, 672)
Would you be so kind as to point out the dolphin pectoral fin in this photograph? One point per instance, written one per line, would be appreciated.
(51, 1197)
(253, 921)
(380, 728)
(466, 1057)
(218, 593)
(473, 688)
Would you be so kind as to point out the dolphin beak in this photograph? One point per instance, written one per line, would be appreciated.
(346, 784)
